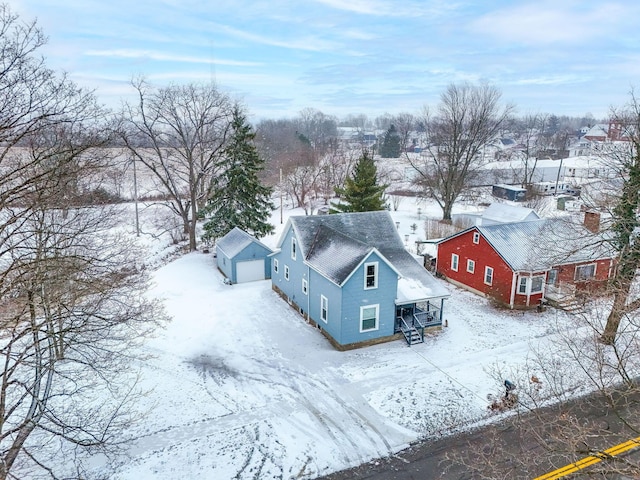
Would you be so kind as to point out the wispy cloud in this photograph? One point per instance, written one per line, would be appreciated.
(359, 34)
(553, 22)
(307, 43)
(151, 55)
(389, 8)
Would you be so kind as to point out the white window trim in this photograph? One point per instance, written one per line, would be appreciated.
(541, 277)
(286, 272)
(476, 237)
(575, 274)
(455, 260)
(486, 271)
(305, 286)
(275, 265)
(375, 278)
(377, 307)
(471, 266)
(294, 248)
(526, 285)
(324, 301)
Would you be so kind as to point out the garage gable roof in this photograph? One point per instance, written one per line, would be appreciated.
(236, 241)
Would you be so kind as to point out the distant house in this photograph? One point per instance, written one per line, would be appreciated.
(597, 133)
(350, 275)
(515, 193)
(519, 264)
(506, 213)
(242, 258)
(496, 213)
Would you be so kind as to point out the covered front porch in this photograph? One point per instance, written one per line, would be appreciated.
(413, 318)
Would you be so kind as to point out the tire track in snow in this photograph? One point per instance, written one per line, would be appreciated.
(347, 419)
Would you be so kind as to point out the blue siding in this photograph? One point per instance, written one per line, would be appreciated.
(297, 271)
(355, 296)
(225, 264)
(344, 303)
(318, 286)
(253, 251)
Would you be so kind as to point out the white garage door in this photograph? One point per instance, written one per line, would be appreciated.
(250, 271)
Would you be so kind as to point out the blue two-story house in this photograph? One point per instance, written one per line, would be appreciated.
(350, 275)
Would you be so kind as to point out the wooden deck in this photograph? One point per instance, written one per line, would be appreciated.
(413, 321)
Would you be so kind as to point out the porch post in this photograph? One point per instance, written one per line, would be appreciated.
(513, 289)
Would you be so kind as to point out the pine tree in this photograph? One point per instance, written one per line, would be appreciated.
(361, 192)
(390, 147)
(238, 198)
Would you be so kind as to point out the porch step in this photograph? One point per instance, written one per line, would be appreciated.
(568, 304)
(412, 335)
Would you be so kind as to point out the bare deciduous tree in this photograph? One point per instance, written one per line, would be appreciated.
(71, 302)
(178, 133)
(466, 119)
(576, 397)
(625, 223)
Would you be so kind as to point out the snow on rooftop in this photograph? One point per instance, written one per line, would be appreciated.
(413, 291)
(241, 387)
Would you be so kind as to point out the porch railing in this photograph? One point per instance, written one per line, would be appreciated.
(424, 318)
(560, 292)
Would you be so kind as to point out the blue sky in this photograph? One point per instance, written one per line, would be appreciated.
(350, 56)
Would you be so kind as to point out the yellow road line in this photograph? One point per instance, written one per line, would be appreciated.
(590, 460)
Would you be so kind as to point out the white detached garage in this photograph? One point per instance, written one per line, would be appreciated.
(242, 258)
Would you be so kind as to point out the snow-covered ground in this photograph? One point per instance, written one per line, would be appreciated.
(242, 388)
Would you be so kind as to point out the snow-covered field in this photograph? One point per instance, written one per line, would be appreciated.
(242, 388)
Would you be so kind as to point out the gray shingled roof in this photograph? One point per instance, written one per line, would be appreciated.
(335, 244)
(541, 244)
(335, 255)
(235, 241)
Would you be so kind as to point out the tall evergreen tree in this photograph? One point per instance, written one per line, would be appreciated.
(390, 147)
(361, 192)
(238, 198)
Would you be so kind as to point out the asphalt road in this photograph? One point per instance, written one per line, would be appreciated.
(523, 446)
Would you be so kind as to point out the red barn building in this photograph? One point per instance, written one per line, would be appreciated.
(519, 264)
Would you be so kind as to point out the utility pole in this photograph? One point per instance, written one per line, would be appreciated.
(280, 195)
(135, 196)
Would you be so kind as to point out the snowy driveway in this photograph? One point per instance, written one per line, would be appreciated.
(244, 388)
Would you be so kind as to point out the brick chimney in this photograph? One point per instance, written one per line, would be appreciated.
(592, 221)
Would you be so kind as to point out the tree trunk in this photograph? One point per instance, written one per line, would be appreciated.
(615, 315)
(193, 223)
(446, 211)
(620, 298)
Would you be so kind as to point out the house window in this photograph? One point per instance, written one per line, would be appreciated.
(454, 262)
(371, 275)
(293, 248)
(476, 237)
(224, 261)
(275, 265)
(488, 275)
(471, 266)
(585, 272)
(552, 277)
(324, 308)
(305, 286)
(522, 286)
(536, 284)
(369, 318)
(286, 272)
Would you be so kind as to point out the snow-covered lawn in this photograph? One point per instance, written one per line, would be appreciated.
(241, 387)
